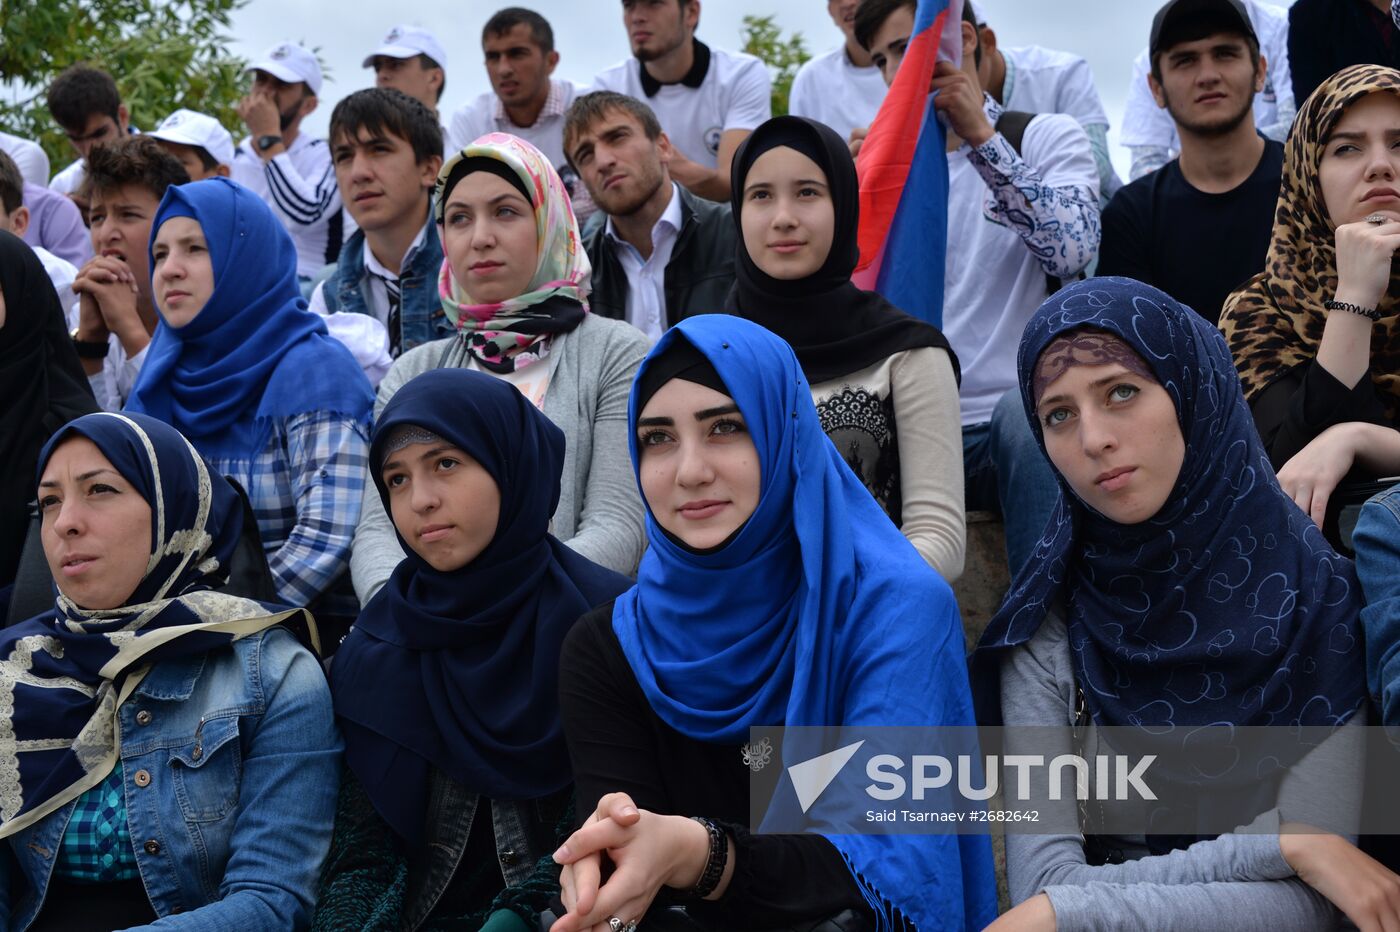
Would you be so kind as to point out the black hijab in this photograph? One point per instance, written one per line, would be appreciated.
(834, 327)
(42, 387)
(457, 670)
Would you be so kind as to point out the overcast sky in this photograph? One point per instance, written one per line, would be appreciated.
(590, 37)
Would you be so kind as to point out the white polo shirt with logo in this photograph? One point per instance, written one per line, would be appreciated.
(724, 91)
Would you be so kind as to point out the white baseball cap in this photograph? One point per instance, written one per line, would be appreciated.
(289, 62)
(409, 42)
(192, 128)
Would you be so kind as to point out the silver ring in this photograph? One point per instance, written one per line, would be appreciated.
(1377, 219)
(631, 926)
(616, 924)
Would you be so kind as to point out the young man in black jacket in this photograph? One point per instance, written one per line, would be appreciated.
(663, 254)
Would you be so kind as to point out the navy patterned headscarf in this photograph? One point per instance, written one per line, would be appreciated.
(1227, 606)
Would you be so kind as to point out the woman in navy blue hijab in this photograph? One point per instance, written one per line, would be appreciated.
(1177, 585)
(240, 367)
(446, 688)
(774, 591)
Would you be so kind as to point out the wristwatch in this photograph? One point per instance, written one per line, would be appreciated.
(267, 142)
(89, 349)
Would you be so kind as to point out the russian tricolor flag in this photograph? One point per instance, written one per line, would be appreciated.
(903, 172)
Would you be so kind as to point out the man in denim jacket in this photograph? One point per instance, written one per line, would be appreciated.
(386, 148)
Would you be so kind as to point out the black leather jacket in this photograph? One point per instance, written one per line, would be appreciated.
(698, 277)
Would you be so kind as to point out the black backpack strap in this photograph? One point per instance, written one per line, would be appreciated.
(1012, 125)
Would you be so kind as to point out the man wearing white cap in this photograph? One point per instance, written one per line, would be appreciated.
(199, 141)
(412, 60)
(290, 170)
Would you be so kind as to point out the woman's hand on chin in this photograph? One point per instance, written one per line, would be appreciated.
(647, 850)
(1364, 254)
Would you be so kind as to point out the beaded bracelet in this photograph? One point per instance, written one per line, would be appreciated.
(714, 866)
(1370, 313)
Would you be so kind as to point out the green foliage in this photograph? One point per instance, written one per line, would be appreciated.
(783, 57)
(164, 54)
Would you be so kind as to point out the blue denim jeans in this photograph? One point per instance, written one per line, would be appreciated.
(1006, 472)
(1377, 543)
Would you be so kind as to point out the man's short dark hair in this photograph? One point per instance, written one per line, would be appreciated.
(594, 106)
(79, 92)
(871, 15)
(384, 111)
(1196, 28)
(503, 21)
(137, 160)
(11, 184)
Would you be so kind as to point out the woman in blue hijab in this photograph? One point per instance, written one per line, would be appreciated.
(241, 368)
(774, 591)
(459, 782)
(1177, 586)
(166, 748)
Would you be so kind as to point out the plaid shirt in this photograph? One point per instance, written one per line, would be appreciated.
(96, 846)
(306, 487)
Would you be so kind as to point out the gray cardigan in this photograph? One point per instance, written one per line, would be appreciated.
(1239, 881)
(600, 512)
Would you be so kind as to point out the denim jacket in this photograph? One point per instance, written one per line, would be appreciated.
(525, 832)
(1377, 543)
(372, 883)
(232, 764)
(422, 319)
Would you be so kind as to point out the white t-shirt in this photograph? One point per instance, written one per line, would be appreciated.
(736, 93)
(62, 274)
(831, 90)
(646, 278)
(1048, 81)
(1145, 124)
(69, 179)
(29, 157)
(993, 284)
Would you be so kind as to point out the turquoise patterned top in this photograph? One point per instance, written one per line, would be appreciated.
(96, 846)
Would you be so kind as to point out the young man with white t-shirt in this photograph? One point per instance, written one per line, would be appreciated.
(199, 141)
(841, 88)
(1149, 133)
(117, 313)
(1005, 252)
(85, 103)
(1034, 79)
(525, 99)
(708, 100)
(287, 168)
(411, 60)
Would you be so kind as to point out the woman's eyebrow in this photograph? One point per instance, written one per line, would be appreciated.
(53, 483)
(655, 422)
(716, 412)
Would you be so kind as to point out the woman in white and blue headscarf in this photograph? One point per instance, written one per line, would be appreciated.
(164, 748)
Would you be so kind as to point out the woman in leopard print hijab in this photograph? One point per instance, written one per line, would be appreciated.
(1324, 384)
